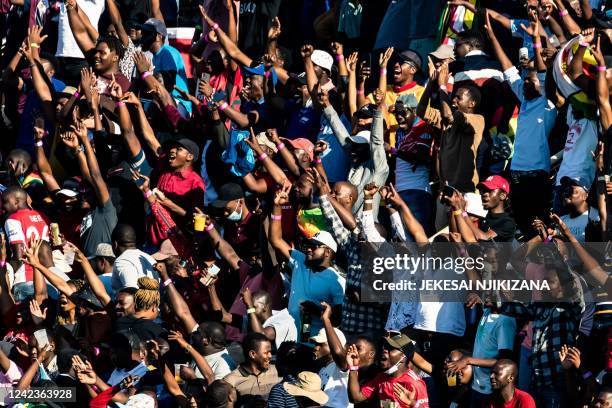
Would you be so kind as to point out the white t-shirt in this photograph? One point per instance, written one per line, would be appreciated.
(284, 326)
(581, 141)
(325, 286)
(578, 224)
(221, 364)
(131, 265)
(536, 119)
(335, 385)
(495, 332)
(66, 44)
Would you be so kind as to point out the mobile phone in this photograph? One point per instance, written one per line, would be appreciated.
(367, 59)
(41, 338)
(146, 104)
(523, 53)
(448, 190)
(218, 96)
(204, 77)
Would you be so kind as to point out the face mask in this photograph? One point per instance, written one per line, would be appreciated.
(393, 369)
(235, 216)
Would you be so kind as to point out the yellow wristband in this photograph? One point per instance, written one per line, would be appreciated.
(457, 212)
(34, 45)
(251, 310)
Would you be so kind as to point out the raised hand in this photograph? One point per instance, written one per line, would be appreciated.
(275, 29)
(247, 298)
(597, 54)
(281, 197)
(588, 35)
(84, 371)
(320, 147)
(115, 89)
(88, 80)
(323, 97)
(178, 337)
(364, 71)
(319, 182)
(534, 24)
(205, 89)
(379, 97)
(390, 195)
(131, 99)
(273, 135)
(562, 225)
(34, 36)
(443, 74)
(326, 314)
(252, 142)
(306, 51)
(142, 63)
(570, 357)
(39, 129)
(351, 62)
(31, 253)
(384, 58)
(539, 226)
(370, 190)
(38, 315)
(146, 182)
(598, 157)
(352, 356)
(80, 130)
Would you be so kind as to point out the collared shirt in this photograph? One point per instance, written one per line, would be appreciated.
(249, 385)
(244, 235)
(184, 187)
(356, 317)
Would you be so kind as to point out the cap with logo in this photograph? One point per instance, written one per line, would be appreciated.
(567, 181)
(325, 238)
(496, 183)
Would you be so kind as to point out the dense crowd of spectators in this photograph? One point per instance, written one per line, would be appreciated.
(189, 190)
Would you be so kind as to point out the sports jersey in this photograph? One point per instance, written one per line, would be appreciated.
(24, 224)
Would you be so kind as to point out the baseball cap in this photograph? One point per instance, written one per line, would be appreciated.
(321, 336)
(443, 52)
(361, 137)
(325, 238)
(262, 140)
(190, 146)
(256, 70)
(496, 182)
(412, 57)
(104, 249)
(228, 192)
(303, 144)
(567, 181)
(402, 343)
(155, 25)
(166, 250)
(366, 111)
(322, 59)
(408, 100)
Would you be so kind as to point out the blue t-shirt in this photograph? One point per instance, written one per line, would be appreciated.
(336, 160)
(168, 59)
(303, 121)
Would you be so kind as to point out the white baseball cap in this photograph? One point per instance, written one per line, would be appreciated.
(325, 238)
(322, 59)
(321, 336)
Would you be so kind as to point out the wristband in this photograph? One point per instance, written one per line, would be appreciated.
(263, 156)
(267, 74)
(34, 45)
(79, 149)
(2, 264)
(368, 201)
(393, 151)
(587, 375)
(209, 227)
(563, 13)
(145, 75)
(119, 104)
(215, 27)
(280, 146)
(148, 194)
(317, 160)
(601, 178)
(602, 68)
(276, 217)
(339, 57)
(383, 71)
(189, 347)
(76, 94)
(223, 106)
(457, 212)
(39, 143)
(537, 45)
(167, 282)
(353, 368)
(443, 88)
(583, 44)
(548, 238)
(96, 351)
(360, 92)
(464, 214)
(251, 310)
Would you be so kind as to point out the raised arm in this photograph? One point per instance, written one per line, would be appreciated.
(383, 61)
(497, 48)
(276, 232)
(567, 20)
(273, 170)
(338, 351)
(445, 104)
(148, 135)
(92, 278)
(351, 94)
(31, 258)
(200, 361)
(79, 28)
(332, 117)
(603, 92)
(41, 158)
(178, 304)
(226, 42)
(413, 226)
(222, 247)
(500, 18)
(41, 85)
(115, 18)
(98, 183)
(254, 323)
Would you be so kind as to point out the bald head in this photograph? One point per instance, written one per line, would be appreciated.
(509, 366)
(14, 198)
(503, 374)
(345, 193)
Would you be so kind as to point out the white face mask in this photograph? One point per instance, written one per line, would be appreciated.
(393, 369)
(235, 216)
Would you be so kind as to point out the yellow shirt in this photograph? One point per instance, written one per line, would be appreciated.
(393, 92)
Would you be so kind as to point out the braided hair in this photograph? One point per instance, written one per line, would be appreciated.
(147, 296)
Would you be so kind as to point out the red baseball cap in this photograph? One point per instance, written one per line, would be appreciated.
(303, 144)
(496, 182)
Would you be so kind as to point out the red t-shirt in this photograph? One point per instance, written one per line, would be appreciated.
(24, 224)
(382, 385)
(521, 399)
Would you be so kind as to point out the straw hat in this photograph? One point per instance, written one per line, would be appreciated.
(307, 385)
